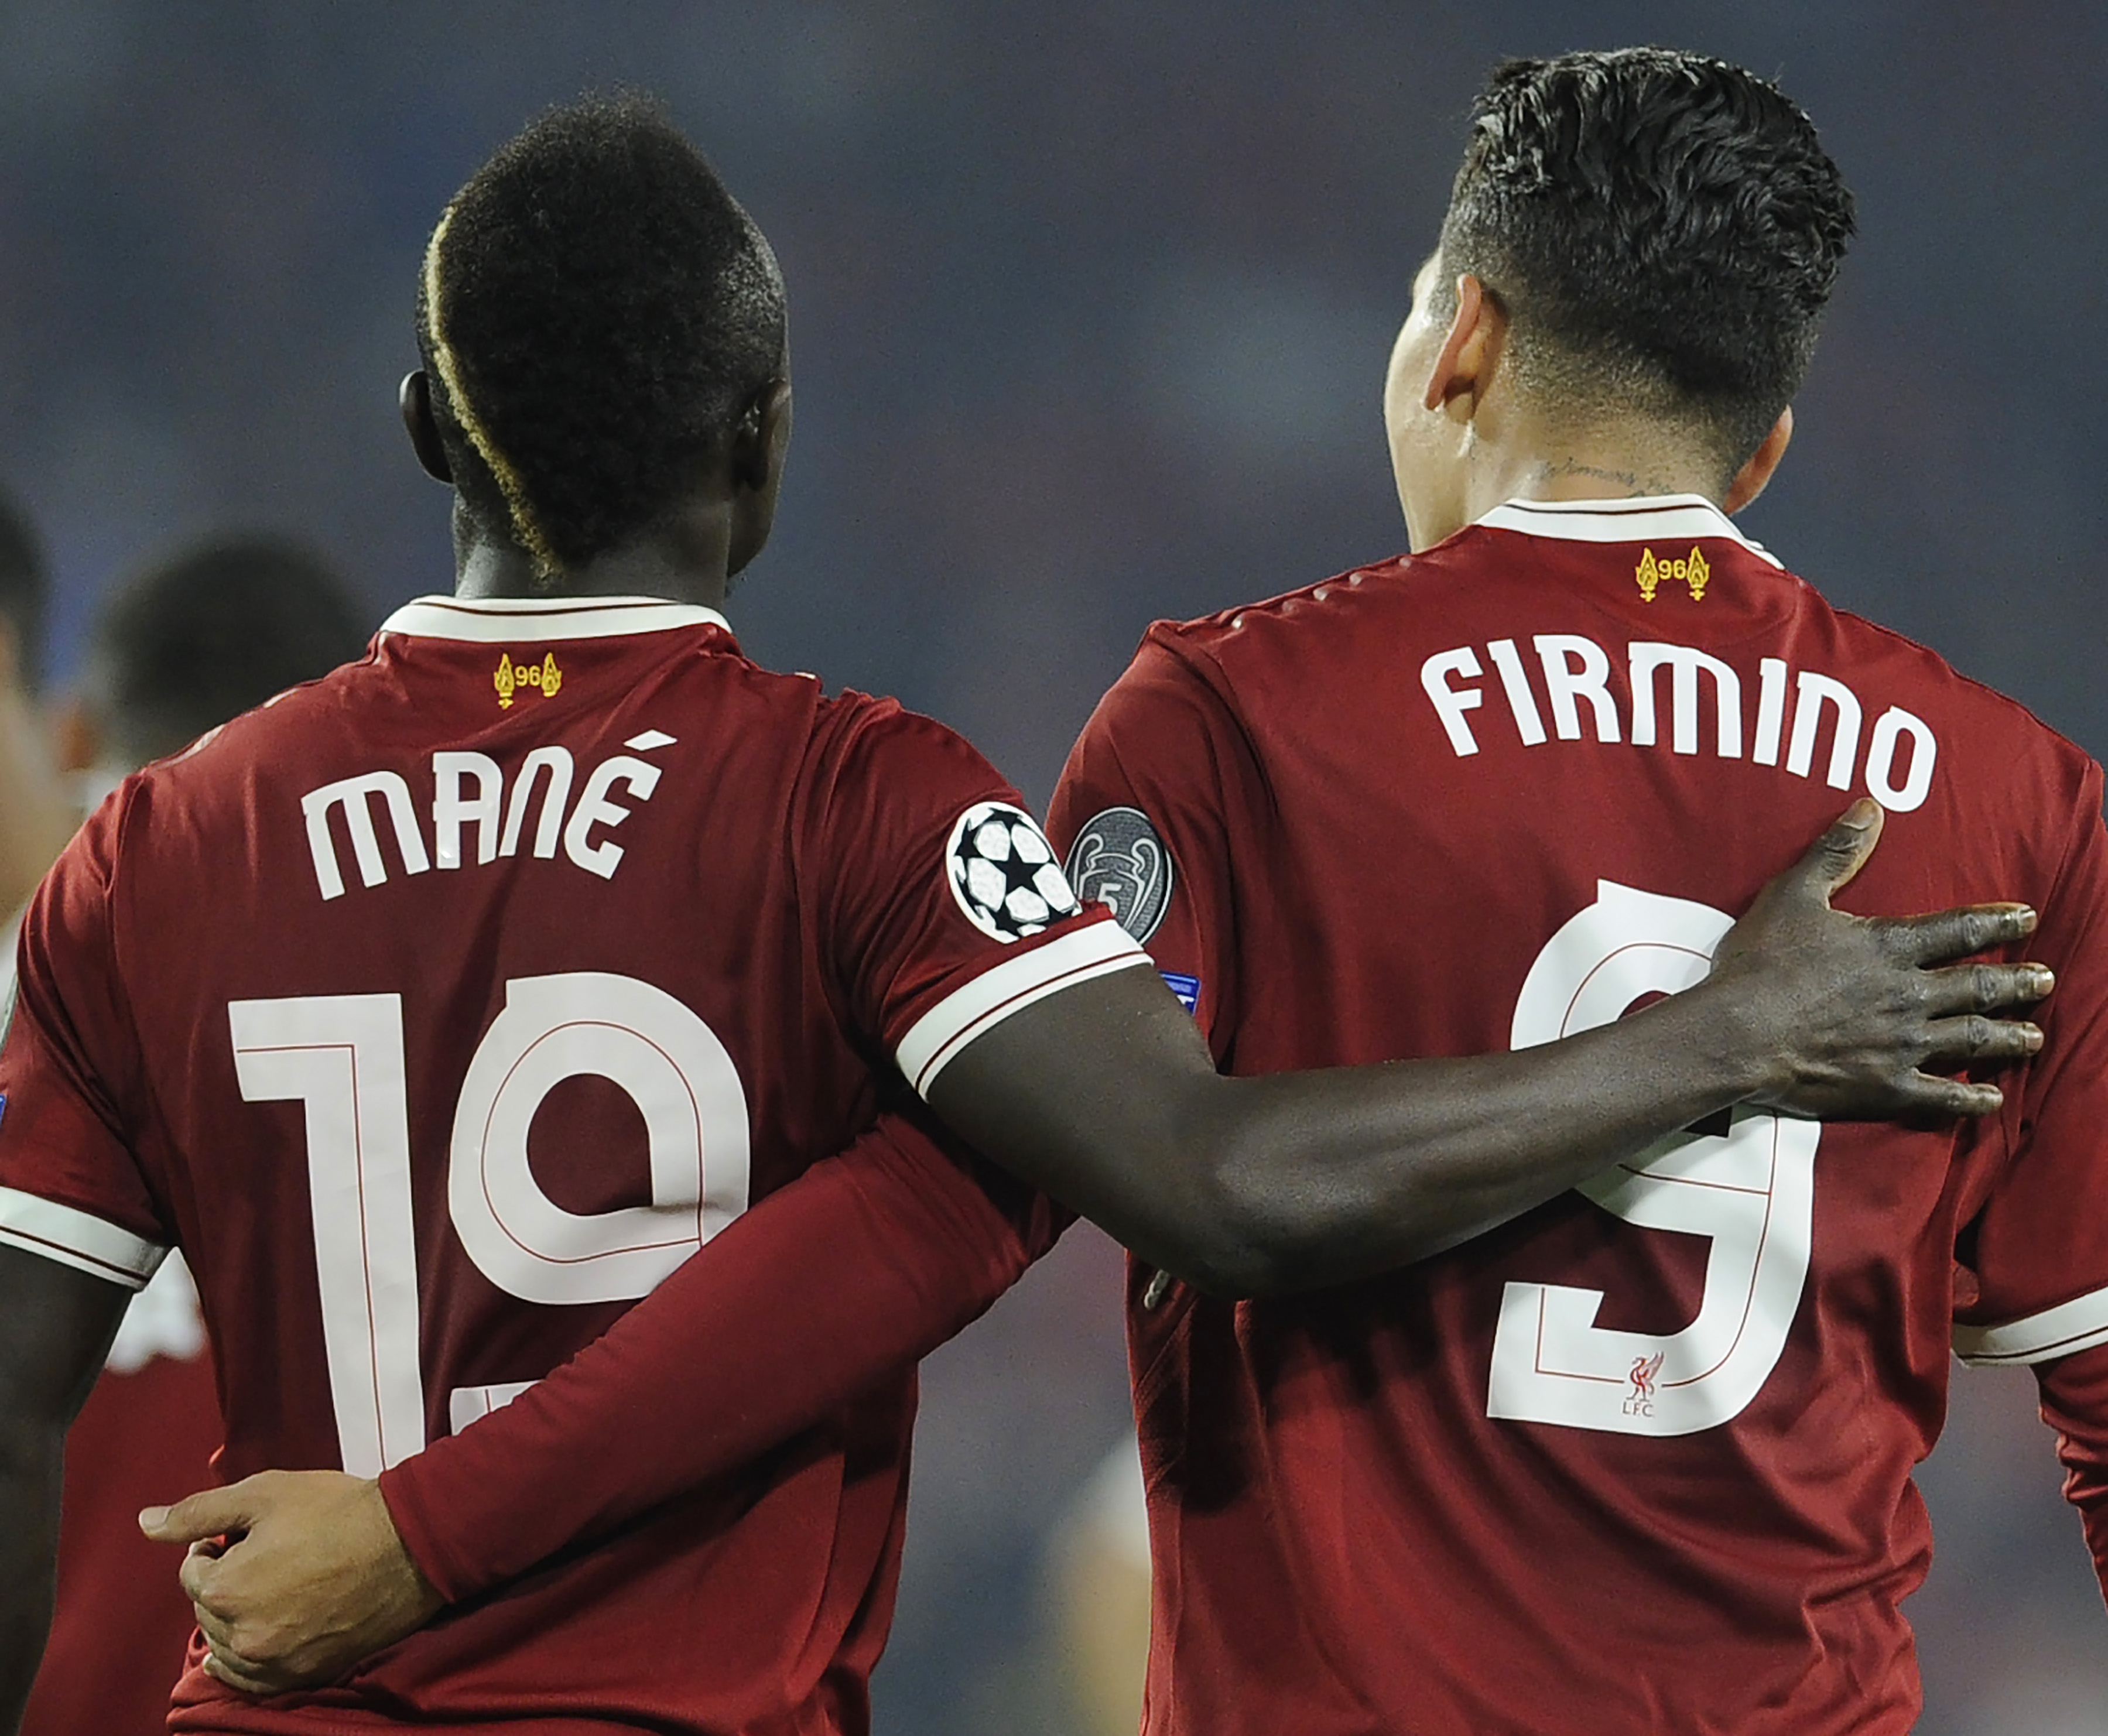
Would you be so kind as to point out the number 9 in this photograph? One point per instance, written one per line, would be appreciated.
(1750, 1192)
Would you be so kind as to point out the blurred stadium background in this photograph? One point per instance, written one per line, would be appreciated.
(1090, 304)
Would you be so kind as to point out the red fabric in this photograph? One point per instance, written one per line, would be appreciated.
(1345, 1538)
(122, 1622)
(783, 877)
(2074, 1392)
(905, 1243)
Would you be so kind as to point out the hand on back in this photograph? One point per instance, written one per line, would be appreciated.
(296, 1577)
(1850, 1018)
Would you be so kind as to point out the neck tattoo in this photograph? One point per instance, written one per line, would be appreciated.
(1626, 478)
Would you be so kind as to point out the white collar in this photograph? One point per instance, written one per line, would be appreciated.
(1647, 517)
(499, 620)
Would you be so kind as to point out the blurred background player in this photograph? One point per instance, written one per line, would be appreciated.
(212, 631)
(178, 649)
(38, 812)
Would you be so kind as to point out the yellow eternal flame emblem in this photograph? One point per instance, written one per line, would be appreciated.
(511, 676)
(1692, 569)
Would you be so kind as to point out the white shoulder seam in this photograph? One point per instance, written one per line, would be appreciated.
(2062, 1331)
(77, 1238)
(980, 1005)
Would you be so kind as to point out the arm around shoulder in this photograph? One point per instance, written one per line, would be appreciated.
(1103, 1094)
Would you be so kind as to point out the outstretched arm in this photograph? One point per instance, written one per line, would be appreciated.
(1105, 1096)
(1103, 1092)
(56, 1325)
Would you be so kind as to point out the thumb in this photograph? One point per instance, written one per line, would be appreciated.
(211, 1513)
(1842, 851)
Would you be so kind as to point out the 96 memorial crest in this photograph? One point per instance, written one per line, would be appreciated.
(544, 677)
(1003, 872)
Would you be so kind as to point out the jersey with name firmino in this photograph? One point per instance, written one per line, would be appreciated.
(1641, 1458)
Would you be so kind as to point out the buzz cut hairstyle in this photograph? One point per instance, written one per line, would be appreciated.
(1663, 231)
(597, 315)
(213, 630)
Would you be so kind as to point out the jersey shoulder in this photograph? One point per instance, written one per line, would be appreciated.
(1246, 656)
(1999, 716)
(888, 754)
(209, 781)
(2012, 769)
(405, 694)
(1314, 613)
(281, 732)
(1256, 656)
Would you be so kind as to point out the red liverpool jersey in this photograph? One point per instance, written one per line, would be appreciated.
(1640, 1459)
(146, 1435)
(439, 1011)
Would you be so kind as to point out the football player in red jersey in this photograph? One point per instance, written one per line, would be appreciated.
(217, 627)
(449, 1006)
(1640, 1459)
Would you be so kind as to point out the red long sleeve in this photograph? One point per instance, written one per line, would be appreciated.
(865, 1264)
(2074, 1395)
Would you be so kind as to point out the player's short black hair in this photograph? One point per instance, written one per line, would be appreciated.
(213, 630)
(24, 586)
(1662, 228)
(597, 314)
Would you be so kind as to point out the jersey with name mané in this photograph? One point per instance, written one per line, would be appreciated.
(439, 1010)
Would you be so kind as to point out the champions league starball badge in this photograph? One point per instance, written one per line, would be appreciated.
(1003, 872)
(1117, 860)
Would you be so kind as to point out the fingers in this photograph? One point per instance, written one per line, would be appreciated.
(199, 1575)
(1955, 934)
(237, 1673)
(224, 1658)
(1969, 1040)
(210, 1513)
(1928, 1094)
(219, 1671)
(218, 1636)
(1841, 853)
(1984, 988)
(1975, 1038)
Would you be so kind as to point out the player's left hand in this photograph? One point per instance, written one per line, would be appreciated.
(296, 1577)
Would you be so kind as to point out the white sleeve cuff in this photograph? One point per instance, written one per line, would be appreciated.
(991, 998)
(2062, 1331)
(76, 1238)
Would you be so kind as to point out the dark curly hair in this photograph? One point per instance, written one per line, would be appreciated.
(597, 314)
(1662, 230)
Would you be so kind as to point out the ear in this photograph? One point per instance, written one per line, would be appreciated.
(76, 735)
(1753, 477)
(416, 401)
(1465, 367)
(759, 446)
(762, 439)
